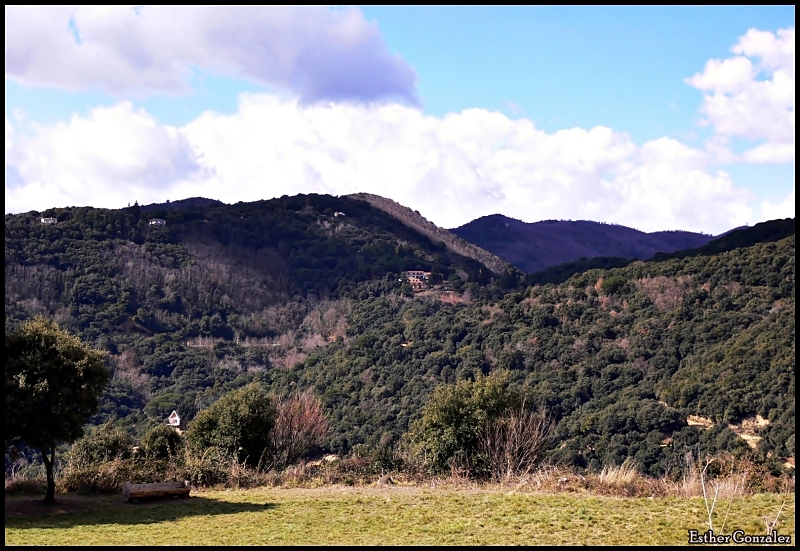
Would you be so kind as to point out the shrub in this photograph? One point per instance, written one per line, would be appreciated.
(514, 443)
(111, 475)
(455, 418)
(105, 443)
(239, 424)
(25, 486)
(162, 442)
(209, 468)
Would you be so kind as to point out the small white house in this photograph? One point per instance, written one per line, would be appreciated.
(158, 222)
(174, 420)
(338, 214)
(49, 220)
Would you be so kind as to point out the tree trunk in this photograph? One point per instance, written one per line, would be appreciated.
(50, 496)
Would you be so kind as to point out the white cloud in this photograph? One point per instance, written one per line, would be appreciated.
(9, 136)
(770, 153)
(724, 76)
(316, 52)
(451, 169)
(115, 156)
(752, 100)
(776, 52)
(784, 209)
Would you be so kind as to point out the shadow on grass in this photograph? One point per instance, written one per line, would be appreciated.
(69, 510)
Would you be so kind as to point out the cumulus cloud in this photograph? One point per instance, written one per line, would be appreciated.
(452, 169)
(115, 156)
(751, 96)
(315, 52)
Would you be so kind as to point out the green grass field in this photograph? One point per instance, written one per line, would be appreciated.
(382, 515)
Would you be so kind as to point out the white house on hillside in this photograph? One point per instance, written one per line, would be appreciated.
(174, 420)
(158, 222)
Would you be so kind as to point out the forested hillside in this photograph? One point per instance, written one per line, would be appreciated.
(647, 361)
(620, 358)
(170, 303)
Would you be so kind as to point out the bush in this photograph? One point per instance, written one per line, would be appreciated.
(109, 477)
(25, 486)
(208, 468)
(454, 420)
(162, 442)
(107, 442)
(239, 424)
(514, 443)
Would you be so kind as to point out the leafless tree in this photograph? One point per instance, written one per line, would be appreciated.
(300, 425)
(513, 443)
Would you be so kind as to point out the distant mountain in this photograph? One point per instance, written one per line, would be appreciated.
(743, 236)
(533, 247)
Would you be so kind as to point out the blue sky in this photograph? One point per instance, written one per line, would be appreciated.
(615, 114)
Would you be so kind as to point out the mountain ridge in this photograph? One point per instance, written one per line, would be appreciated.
(535, 246)
(743, 236)
(452, 241)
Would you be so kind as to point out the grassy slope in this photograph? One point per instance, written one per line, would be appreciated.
(379, 515)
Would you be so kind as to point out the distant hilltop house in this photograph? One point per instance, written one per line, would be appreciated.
(49, 220)
(158, 222)
(418, 279)
(418, 274)
(337, 214)
(174, 420)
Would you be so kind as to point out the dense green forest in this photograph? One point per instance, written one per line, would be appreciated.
(620, 358)
(289, 293)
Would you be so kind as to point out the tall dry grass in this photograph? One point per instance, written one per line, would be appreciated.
(718, 478)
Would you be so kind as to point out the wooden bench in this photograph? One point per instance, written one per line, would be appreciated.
(133, 492)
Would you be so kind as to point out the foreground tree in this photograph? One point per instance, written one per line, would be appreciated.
(53, 385)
